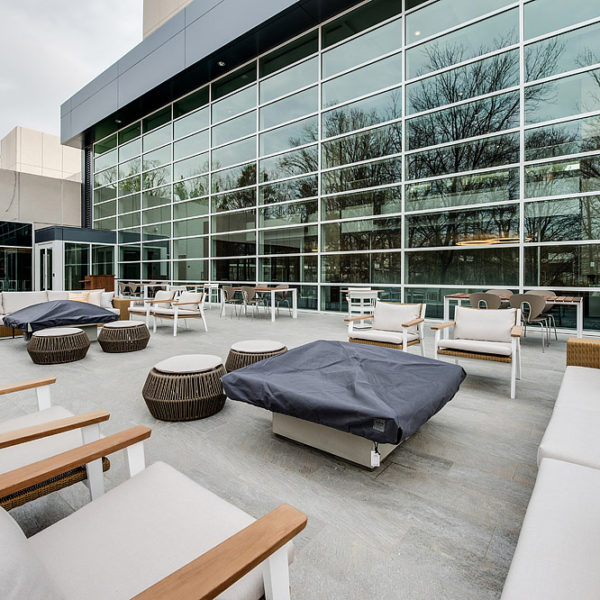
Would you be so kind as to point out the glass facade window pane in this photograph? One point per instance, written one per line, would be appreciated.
(105, 193)
(191, 102)
(480, 154)
(191, 145)
(362, 176)
(563, 97)
(190, 188)
(369, 45)
(156, 177)
(287, 81)
(106, 224)
(190, 270)
(155, 250)
(234, 104)
(194, 122)
(130, 237)
(77, 265)
(191, 248)
(234, 221)
(293, 240)
(375, 267)
(156, 197)
(155, 120)
(129, 220)
(129, 168)
(289, 108)
(289, 268)
(289, 164)
(237, 270)
(233, 81)
(564, 177)
(195, 165)
(464, 121)
(156, 158)
(157, 232)
(156, 138)
(129, 133)
(544, 16)
(129, 271)
(289, 54)
(105, 145)
(108, 209)
(373, 143)
(103, 260)
(370, 78)
(234, 129)
(386, 106)
(292, 189)
(469, 42)
(479, 188)
(237, 152)
(486, 226)
(155, 215)
(129, 186)
(234, 200)
(104, 177)
(362, 204)
(563, 220)
(193, 208)
(494, 266)
(236, 177)
(366, 234)
(276, 215)
(155, 271)
(191, 227)
(129, 203)
(582, 135)
(289, 136)
(130, 150)
(106, 160)
(234, 244)
(556, 266)
(15, 234)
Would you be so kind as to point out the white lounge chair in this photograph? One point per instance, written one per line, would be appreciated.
(162, 299)
(189, 305)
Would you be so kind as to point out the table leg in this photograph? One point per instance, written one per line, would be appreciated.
(294, 303)
(273, 305)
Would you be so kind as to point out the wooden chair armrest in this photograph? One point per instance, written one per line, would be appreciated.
(413, 322)
(209, 575)
(444, 325)
(36, 432)
(186, 303)
(47, 468)
(152, 301)
(516, 331)
(27, 385)
(350, 319)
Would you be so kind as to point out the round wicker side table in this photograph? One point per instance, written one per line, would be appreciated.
(185, 387)
(58, 345)
(123, 336)
(249, 352)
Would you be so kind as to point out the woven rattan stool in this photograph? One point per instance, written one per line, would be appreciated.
(58, 345)
(249, 352)
(123, 336)
(186, 387)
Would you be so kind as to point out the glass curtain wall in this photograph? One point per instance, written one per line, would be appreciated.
(418, 147)
(16, 240)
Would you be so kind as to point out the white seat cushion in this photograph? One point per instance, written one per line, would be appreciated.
(122, 324)
(189, 363)
(389, 317)
(557, 554)
(116, 311)
(14, 301)
(257, 346)
(57, 331)
(24, 454)
(138, 309)
(180, 311)
(486, 325)
(377, 335)
(504, 349)
(138, 533)
(577, 389)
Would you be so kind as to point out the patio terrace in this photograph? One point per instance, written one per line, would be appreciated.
(439, 519)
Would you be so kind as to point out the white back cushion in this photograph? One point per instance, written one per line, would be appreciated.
(95, 297)
(486, 325)
(57, 295)
(164, 295)
(107, 298)
(191, 297)
(389, 317)
(14, 301)
(22, 574)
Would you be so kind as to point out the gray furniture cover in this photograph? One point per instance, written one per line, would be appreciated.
(58, 313)
(381, 394)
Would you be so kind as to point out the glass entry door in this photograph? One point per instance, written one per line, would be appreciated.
(45, 256)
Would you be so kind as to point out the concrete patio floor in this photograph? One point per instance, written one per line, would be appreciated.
(439, 519)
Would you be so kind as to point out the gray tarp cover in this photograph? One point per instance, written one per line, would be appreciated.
(58, 313)
(381, 394)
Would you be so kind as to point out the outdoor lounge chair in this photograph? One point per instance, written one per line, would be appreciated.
(162, 299)
(395, 325)
(157, 535)
(189, 305)
(50, 430)
(488, 334)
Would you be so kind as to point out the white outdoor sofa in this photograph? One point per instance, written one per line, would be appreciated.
(557, 553)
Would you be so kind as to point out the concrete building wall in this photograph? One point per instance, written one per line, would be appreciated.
(158, 12)
(28, 151)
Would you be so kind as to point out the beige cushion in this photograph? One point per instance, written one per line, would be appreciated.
(502, 348)
(579, 389)
(191, 297)
(81, 296)
(257, 346)
(95, 297)
(189, 363)
(116, 311)
(164, 295)
(22, 574)
(486, 325)
(181, 311)
(377, 335)
(389, 317)
(138, 309)
(557, 554)
(14, 301)
(57, 295)
(138, 533)
(122, 324)
(106, 301)
(24, 454)
(57, 331)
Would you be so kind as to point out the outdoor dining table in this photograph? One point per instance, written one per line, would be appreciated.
(576, 301)
(274, 290)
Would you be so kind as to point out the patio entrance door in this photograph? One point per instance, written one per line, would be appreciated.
(46, 265)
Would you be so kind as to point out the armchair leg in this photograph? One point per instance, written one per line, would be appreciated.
(153, 323)
(204, 322)
(513, 375)
(43, 397)
(276, 576)
(95, 476)
(175, 326)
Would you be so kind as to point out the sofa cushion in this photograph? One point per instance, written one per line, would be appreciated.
(80, 296)
(57, 295)
(138, 533)
(171, 311)
(389, 317)
(22, 574)
(575, 389)
(559, 544)
(486, 325)
(377, 335)
(14, 301)
(138, 309)
(501, 348)
(107, 298)
(95, 297)
(163, 295)
(191, 297)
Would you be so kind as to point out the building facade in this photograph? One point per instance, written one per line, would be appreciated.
(417, 147)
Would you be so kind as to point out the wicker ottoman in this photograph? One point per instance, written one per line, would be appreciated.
(58, 345)
(249, 352)
(186, 387)
(123, 336)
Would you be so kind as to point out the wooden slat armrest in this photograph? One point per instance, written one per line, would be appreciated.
(36, 432)
(516, 331)
(350, 319)
(45, 469)
(27, 385)
(209, 575)
(413, 322)
(444, 325)
(152, 301)
(185, 303)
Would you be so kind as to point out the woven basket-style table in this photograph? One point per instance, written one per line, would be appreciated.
(185, 387)
(583, 352)
(58, 345)
(123, 336)
(249, 352)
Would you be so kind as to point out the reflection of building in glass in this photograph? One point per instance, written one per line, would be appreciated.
(419, 151)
